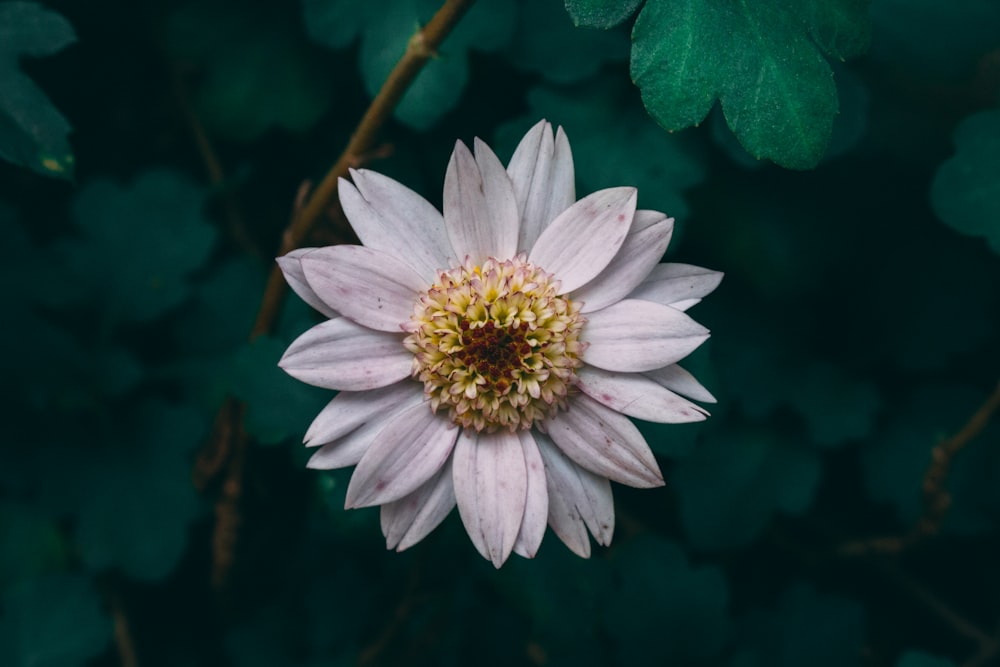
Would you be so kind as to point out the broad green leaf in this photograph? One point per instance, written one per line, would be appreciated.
(547, 42)
(836, 408)
(761, 60)
(966, 188)
(136, 500)
(53, 621)
(614, 143)
(660, 589)
(32, 131)
(140, 243)
(601, 13)
(31, 544)
(256, 71)
(804, 620)
(921, 659)
(385, 33)
(277, 405)
(734, 482)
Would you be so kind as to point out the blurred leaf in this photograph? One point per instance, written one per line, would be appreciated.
(32, 131)
(896, 463)
(804, 620)
(778, 95)
(31, 544)
(257, 73)
(734, 482)
(601, 13)
(836, 408)
(138, 501)
(277, 405)
(934, 39)
(139, 245)
(666, 611)
(966, 188)
(920, 659)
(53, 621)
(614, 143)
(385, 34)
(546, 42)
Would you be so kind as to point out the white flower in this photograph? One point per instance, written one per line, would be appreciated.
(491, 357)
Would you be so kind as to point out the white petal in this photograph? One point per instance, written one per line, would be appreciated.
(388, 216)
(578, 500)
(677, 285)
(543, 178)
(480, 210)
(604, 442)
(408, 520)
(536, 508)
(350, 409)
(634, 335)
(371, 287)
(405, 454)
(637, 396)
(346, 451)
(291, 266)
(584, 238)
(491, 486)
(339, 354)
(677, 379)
(644, 246)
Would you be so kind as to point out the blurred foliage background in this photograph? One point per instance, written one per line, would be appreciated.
(844, 171)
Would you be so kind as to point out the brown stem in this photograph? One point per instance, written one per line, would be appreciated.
(122, 629)
(421, 48)
(937, 500)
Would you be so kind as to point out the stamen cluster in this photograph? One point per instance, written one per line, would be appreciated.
(495, 344)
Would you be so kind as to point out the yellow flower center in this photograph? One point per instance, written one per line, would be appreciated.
(496, 345)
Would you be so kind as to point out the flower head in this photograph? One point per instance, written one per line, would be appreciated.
(491, 357)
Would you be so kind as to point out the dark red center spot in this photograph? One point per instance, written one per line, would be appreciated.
(494, 352)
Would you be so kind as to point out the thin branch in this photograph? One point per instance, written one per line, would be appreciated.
(420, 49)
(988, 650)
(937, 500)
(122, 628)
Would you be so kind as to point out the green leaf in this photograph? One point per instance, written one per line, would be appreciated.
(733, 483)
(966, 188)
(660, 589)
(921, 659)
(137, 502)
(761, 60)
(53, 621)
(32, 131)
(804, 620)
(836, 407)
(256, 71)
(546, 42)
(601, 13)
(385, 34)
(140, 244)
(605, 124)
(31, 544)
(277, 405)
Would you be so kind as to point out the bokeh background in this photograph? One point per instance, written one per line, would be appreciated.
(155, 509)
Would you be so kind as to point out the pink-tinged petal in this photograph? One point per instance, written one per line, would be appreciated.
(637, 396)
(406, 453)
(634, 335)
(644, 246)
(291, 266)
(339, 354)
(677, 285)
(536, 507)
(347, 450)
(408, 520)
(578, 500)
(480, 210)
(604, 442)
(543, 177)
(491, 486)
(371, 287)
(388, 216)
(350, 409)
(584, 238)
(677, 379)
